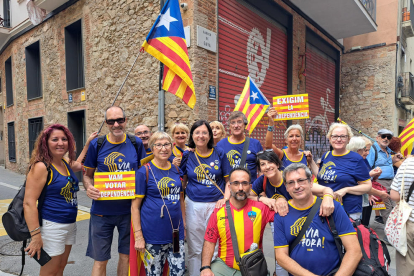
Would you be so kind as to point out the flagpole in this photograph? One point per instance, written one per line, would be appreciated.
(161, 94)
(120, 88)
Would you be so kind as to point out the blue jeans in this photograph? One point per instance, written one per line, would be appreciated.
(162, 252)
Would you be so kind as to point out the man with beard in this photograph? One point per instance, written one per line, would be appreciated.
(115, 152)
(380, 156)
(250, 219)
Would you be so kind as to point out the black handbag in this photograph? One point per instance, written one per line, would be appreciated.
(251, 264)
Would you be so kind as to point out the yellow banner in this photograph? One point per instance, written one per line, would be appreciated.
(291, 107)
(115, 185)
(378, 206)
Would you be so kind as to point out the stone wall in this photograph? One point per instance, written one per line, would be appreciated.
(368, 89)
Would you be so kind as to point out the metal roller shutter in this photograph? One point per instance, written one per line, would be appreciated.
(250, 43)
(320, 85)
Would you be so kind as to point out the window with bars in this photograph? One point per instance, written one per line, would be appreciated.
(74, 56)
(33, 71)
(9, 81)
(12, 142)
(35, 127)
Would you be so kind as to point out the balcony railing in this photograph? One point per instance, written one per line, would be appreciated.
(371, 7)
(407, 23)
(406, 87)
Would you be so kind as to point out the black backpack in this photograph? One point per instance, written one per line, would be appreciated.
(13, 220)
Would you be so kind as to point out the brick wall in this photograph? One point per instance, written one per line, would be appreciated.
(368, 89)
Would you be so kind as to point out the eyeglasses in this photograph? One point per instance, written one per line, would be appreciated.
(263, 151)
(239, 122)
(300, 181)
(160, 146)
(111, 122)
(142, 133)
(75, 185)
(237, 183)
(388, 136)
(342, 137)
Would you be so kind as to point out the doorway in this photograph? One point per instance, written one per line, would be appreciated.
(76, 125)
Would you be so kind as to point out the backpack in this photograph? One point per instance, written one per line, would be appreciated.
(375, 256)
(131, 137)
(13, 220)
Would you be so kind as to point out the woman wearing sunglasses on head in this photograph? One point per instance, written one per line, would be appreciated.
(158, 209)
(344, 171)
(276, 195)
(207, 170)
(52, 224)
(294, 139)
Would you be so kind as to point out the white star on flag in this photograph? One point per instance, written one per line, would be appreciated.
(165, 20)
(254, 95)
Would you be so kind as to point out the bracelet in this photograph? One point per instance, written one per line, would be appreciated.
(35, 229)
(327, 195)
(138, 230)
(270, 128)
(258, 198)
(35, 234)
(205, 267)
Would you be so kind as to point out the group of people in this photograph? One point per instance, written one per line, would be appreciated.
(182, 184)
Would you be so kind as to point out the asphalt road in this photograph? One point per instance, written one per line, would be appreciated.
(79, 264)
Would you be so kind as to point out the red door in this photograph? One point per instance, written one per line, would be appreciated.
(320, 85)
(250, 44)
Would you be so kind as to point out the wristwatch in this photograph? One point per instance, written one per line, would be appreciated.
(270, 128)
(258, 197)
(205, 267)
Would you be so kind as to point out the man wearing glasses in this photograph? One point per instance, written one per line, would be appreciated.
(144, 133)
(316, 253)
(250, 219)
(234, 144)
(115, 152)
(380, 155)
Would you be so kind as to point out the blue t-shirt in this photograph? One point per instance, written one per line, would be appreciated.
(113, 157)
(199, 188)
(318, 243)
(337, 172)
(383, 161)
(176, 152)
(286, 161)
(157, 229)
(272, 191)
(61, 201)
(234, 153)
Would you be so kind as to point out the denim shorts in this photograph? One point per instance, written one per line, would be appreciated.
(101, 232)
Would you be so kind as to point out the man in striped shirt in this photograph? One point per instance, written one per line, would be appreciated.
(250, 219)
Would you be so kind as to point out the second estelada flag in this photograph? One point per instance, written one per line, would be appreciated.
(252, 103)
(166, 42)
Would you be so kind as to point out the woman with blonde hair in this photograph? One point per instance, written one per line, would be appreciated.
(158, 211)
(179, 133)
(294, 139)
(219, 132)
(344, 171)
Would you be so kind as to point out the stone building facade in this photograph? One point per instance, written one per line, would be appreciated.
(112, 35)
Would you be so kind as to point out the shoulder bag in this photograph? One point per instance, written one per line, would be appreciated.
(395, 227)
(244, 153)
(251, 264)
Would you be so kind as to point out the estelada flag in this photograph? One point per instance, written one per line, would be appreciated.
(136, 265)
(252, 103)
(166, 42)
(407, 138)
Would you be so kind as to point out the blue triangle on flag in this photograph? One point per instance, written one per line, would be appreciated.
(256, 96)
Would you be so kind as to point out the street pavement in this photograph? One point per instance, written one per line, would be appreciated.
(79, 264)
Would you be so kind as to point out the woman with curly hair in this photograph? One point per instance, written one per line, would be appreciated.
(52, 224)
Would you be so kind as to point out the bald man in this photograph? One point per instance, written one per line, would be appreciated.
(144, 133)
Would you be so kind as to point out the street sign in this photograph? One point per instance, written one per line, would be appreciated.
(206, 39)
(70, 97)
(212, 92)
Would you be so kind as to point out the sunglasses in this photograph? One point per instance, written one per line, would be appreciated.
(388, 136)
(263, 151)
(111, 122)
(75, 185)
